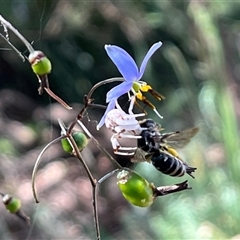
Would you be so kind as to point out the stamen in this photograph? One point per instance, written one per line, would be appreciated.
(145, 88)
(156, 94)
(155, 110)
(140, 107)
(139, 96)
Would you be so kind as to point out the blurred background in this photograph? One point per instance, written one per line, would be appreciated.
(196, 69)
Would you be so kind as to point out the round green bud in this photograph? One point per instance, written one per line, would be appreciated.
(40, 64)
(136, 189)
(80, 139)
(12, 204)
(136, 86)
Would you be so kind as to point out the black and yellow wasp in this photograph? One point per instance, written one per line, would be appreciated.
(159, 148)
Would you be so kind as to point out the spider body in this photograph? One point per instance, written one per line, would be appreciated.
(123, 125)
(119, 121)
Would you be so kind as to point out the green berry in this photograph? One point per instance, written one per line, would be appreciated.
(40, 64)
(136, 189)
(12, 204)
(80, 139)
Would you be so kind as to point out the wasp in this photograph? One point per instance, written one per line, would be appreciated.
(159, 148)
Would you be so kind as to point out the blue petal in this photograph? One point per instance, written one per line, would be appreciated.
(110, 106)
(150, 52)
(118, 91)
(124, 62)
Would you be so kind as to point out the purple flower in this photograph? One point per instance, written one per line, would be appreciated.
(129, 70)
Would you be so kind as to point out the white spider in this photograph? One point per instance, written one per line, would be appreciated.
(124, 126)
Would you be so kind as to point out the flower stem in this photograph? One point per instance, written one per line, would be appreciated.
(17, 33)
(37, 164)
(13, 47)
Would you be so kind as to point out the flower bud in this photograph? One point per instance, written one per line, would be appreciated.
(136, 189)
(40, 64)
(80, 139)
(12, 204)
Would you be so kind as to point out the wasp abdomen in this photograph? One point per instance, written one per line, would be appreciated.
(170, 165)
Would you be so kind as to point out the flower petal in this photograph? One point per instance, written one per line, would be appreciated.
(118, 91)
(150, 52)
(124, 62)
(110, 106)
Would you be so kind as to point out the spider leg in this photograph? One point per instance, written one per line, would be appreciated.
(133, 116)
(114, 141)
(124, 153)
(124, 135)
(117, 148)
(119, 107)
(131, 105)
(130, 109)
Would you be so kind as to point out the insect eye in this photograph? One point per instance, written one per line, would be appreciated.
(40, 64)
(135, 189)
(80, 139)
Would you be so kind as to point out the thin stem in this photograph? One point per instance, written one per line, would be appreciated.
(62, 126)
(16, 32)
(23, 216)
(92, 180)
(99, 145)
(106, 176)
(95, 211)
(58, 99)
(95, 206)
(88, 101)
(80, 158)
(76, 150)
(94, 185)
(99, 84)
(97, 106)
(37, 164)
(13, 47)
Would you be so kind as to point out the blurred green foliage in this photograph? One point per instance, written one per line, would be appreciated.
(196, 69)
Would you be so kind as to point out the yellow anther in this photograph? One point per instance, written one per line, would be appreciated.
(140, 87)
(139, 95)
(145, 88)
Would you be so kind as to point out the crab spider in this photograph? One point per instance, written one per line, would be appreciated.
(124, 126)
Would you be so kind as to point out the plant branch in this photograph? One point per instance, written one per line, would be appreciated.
(14, 48)
(16, 32)
(37, 164)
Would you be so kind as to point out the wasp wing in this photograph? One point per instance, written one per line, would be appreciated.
(177, 139)
(141, 156)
